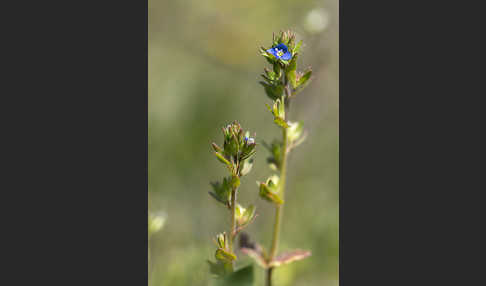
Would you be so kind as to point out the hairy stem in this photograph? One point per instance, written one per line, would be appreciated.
(233, 221)
(279, 208)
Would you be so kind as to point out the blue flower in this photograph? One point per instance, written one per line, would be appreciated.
(281, 52)
(249, 140)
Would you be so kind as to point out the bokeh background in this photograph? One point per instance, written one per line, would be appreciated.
(204, 68)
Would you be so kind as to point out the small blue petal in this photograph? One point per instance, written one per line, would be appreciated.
(272, 51)
(282, 47)
(287, 56)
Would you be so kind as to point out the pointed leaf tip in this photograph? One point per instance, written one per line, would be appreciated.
(289, 257)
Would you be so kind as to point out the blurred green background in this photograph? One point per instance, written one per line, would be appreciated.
(204, 68)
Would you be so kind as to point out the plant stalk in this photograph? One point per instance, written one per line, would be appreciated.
(279, 208)
(233, 220)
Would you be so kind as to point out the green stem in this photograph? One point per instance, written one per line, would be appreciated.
(279, 208)
(233, 220)
(269, 276)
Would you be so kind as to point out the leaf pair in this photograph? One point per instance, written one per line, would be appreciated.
(222, 253)
(295, 134)
(282, 259)
(257, 253)
(278, 111)
(244, 216)
(270, 190)
(273, 85)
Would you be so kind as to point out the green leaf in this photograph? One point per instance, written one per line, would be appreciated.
(222, 191)
(281, 108)
(241, 277)
(275, 160)
(304, 79)
(218, 198)
(255, 255)
(235, 182)
(216, 147)
(263, 51)
(270, 74)
(239, 211)
(253, 249)
(266, 78)
(297, 47)
(269, 195)
(269, 57)
(275, 108)
(292, 78)
(247, 149)
(272, 91)
(295, 130)
(278, 111)
(289, 257)
(284, 62)
(249, 213)
(223, 160)
(244, 216)
(221, 240)
(224, 256)
(217, 268)
(277, 69)
(280, 122)
(270, 190)
(247, 166)
(246, 156)
(290, 71)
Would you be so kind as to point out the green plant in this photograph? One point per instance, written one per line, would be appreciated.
(281, 83)
(238, 148)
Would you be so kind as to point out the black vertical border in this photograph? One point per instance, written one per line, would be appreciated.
(411, 143)
(80, 144)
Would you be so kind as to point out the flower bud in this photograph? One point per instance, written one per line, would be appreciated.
(221, 240)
